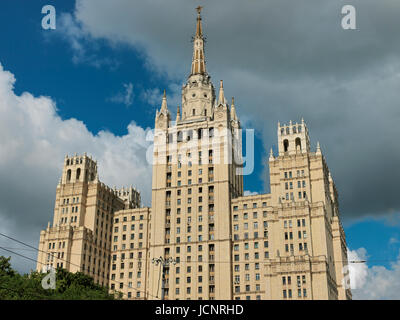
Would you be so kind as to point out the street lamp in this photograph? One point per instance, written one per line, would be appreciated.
(163, 262)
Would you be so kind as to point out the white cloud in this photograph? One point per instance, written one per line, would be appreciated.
(34, 141)
(373, 283)
(152, 96)
(78, 38)
(125, 97)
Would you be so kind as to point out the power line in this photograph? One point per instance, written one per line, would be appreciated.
(214, 261)
(25, 244)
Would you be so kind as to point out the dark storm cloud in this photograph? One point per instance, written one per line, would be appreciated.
(285, 60)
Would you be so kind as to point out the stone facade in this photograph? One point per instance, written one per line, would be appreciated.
(288, 244)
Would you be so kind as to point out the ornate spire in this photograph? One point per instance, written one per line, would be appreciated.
(178, 114)
(199, 27)
(198, 61)
(318, 148)
(271, 155)
(221, 97)
(164, 106)
(233, 110)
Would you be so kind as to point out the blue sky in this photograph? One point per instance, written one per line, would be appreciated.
(43, 63)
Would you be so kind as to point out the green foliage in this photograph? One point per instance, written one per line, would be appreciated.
(69, 286)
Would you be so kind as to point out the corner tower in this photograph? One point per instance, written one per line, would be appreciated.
(309, 240)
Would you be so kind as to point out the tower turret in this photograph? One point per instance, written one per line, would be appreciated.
(163, 116)
(79, 169)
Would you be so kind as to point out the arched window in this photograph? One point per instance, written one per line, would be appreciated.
(282, 131)
(294, 130)
(298, 144)
(69, 175)
(199, 133)
(78, 173)
(194, 112)
(286, 145)
(299, 129)
(68, 162)
(287, 130)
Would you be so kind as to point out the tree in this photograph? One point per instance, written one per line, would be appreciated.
(69, 286)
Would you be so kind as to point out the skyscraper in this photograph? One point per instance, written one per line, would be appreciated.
(216, 243)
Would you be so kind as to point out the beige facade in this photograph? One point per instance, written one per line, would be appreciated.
(80, 237)
(288, 244)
